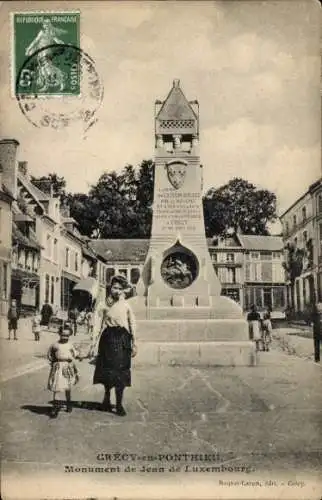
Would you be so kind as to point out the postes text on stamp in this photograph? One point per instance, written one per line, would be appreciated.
(36, 34)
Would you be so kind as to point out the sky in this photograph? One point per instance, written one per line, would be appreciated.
(253, 66)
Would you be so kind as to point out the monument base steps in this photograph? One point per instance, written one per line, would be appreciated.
(196, 354)
(202, 330)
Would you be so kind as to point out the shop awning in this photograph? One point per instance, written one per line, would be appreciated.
(89, 285)
(21, 274)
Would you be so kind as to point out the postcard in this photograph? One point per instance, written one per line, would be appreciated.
(160, 250)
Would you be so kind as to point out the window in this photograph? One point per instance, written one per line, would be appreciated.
(294, 220)
(48, 243)
(320, 204)
(320, 226)
(110, 272)
(266, 255)
(305, 236)
(304, 213)
(135, 275)
(55, 256)
(278, 297)
(67, 257)
(47, 288)
(230, 257)
(255, 255)
(52, 290)
(214, 257)
(76, 262)
(287, 227)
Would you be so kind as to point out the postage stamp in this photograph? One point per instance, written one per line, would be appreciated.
(34, 35)
(49, 111)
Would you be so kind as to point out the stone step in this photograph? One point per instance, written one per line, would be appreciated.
(196, 354)
(187, 313)
(200, 330)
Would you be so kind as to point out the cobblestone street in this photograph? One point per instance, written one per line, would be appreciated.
(262, 422)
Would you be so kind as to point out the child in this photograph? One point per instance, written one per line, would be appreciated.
(267, 328)
(63, 373)
(36, 326)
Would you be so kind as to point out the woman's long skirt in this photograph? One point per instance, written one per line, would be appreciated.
(113, 362)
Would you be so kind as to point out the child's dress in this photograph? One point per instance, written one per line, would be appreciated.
(36, 328)
(63, 373)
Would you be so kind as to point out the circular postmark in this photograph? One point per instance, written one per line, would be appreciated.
(58, 85)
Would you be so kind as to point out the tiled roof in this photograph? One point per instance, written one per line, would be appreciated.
(33, 190)
(265, 243)
(176, 106)
(121, 250)
(19, 237)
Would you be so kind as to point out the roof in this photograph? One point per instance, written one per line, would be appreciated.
(6, 191)
(265, 243)
(124, 250)
(88, 252)
(37, 195)
(28, 241)
(176, 106)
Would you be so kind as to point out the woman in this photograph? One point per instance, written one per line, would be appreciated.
(254, 319)
(116, 345)
(267, 328)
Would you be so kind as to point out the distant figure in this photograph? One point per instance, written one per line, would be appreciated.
(46, 314)
(73, 316)
(36, 327)
(267, 328)
(13, 316)
(63, 372)
(90, 322)
(254, 319)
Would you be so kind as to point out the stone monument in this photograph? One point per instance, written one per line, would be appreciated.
(178, 296)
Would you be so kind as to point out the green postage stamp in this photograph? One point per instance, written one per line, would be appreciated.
(42, 63)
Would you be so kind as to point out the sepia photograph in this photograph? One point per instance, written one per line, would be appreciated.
(160, 250)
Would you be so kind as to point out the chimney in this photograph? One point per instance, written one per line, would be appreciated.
(23, 168)
(176, 83)
(8, 161)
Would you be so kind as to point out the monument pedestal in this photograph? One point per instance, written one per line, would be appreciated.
(182, 318)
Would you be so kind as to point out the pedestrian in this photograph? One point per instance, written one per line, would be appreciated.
(267, 328)
(116, 345)
(254, 320)
(46, 314)
(90, 323)
(36, 328)
(63, 372)
(73, 316)
(13, 317)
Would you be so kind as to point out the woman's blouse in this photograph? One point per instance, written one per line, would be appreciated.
(120, 314)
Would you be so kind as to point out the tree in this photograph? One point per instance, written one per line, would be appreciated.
(238, 205)
(293, 265)
(51, 182)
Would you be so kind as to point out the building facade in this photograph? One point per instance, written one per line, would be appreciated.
(302, 236)
(8, 194)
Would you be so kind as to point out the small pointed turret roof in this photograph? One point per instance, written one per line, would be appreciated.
(176, 106)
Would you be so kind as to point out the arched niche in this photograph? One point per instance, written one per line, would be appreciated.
(180, 267)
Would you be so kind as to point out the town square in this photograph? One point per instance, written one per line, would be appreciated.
(160, 252)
